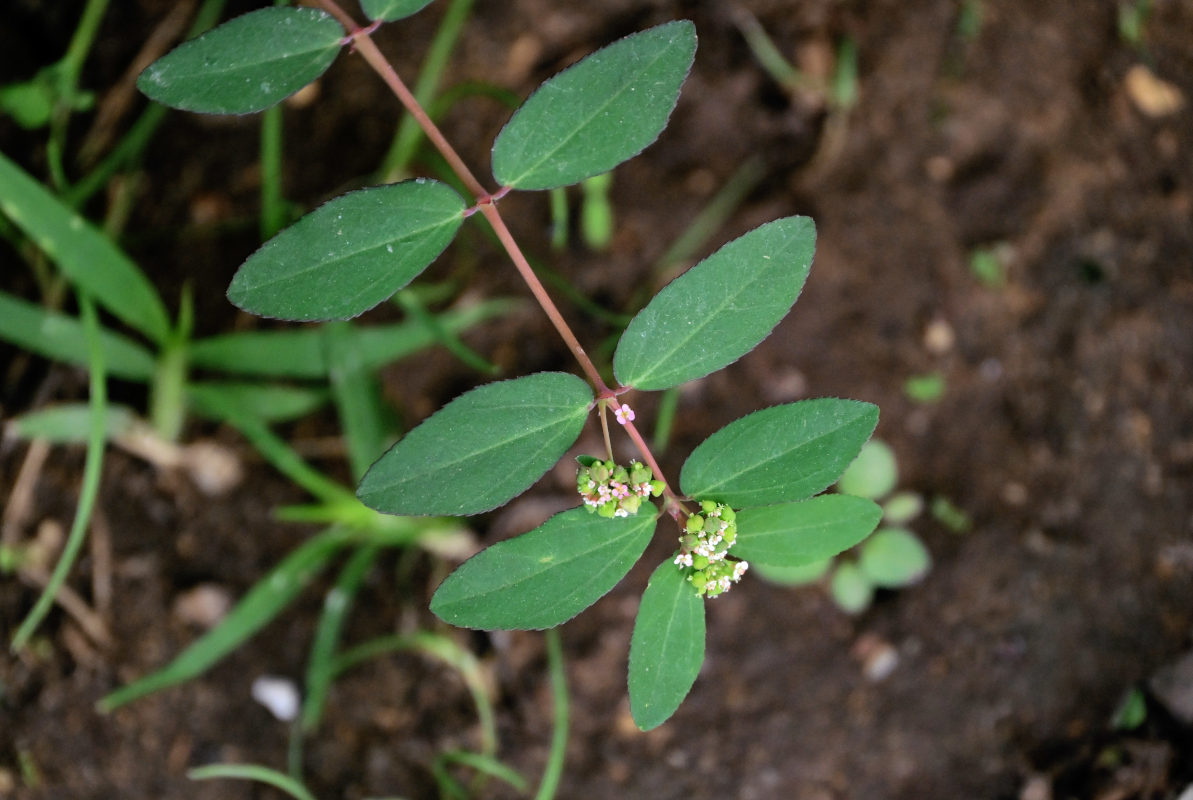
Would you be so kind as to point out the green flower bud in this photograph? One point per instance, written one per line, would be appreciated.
(599, 472)
(640, 474)
(620, 475)
(699, 562)
(631, 503)
(608, 509)
(712, 525)
(728, 514)
(730, 534)
(695, 523)
(656, 488)
(699, 580)
(708, 506)
(689, 541)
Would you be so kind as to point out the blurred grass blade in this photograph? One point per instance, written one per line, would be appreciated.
(485, 764)
(444, 649)
(252, 772)
(269, 403)
(88, 258)
(336, 605)
(272, 448)
(60, 337)
(264, 601)
(410, 303)
(70, 423)
(368, 423)
(92, 470)
(299, 352)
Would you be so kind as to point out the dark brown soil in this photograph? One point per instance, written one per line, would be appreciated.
(1065, 430)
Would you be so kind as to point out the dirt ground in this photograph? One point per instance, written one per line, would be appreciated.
(1065, 430)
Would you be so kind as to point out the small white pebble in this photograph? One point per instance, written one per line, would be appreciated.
(279, 695)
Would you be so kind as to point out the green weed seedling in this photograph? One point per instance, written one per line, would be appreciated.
(892, 558)
(750, 491)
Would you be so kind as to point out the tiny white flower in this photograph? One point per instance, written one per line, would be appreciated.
(624, 414)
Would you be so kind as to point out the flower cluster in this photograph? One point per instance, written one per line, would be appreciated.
(704, 547)
(615, 491)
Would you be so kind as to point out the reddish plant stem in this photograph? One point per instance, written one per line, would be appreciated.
(485, 203)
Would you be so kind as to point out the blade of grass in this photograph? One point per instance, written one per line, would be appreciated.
(559, 731)
(406, 140)
(85, 255)
(486, 765)
(61, 337)
(368, 423)
(336, 605)
(133, 143)
(92, 470)
(443, 649)
(252, 772)
(414, 308)
(273, 205)
(712, 217)
(263, 602)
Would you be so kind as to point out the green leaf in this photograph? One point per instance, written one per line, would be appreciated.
(780, 454)
(792, 534)
(70, 423)
(894, 557)
(720, 309)
(667, 647)
(351, 253)
(597, 113)
(252, 772)
(391, 10)
(793, 576)
(851, 590)
(545, 577)
(60, 337)
(873, 473)
(481, 449)
(299, 352)
(247, 64)
(87, 257)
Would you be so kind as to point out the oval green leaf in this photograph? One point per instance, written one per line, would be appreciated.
(89, 258)
(780, 454)
(851, 590)
(349, 254)
(802, 575)
(720, 309)
(247, 64)
(873, 473)
(545, 577)
(667, 647)
(894, 557)
(391, 10)
(480, 450)
(793, 534)
(597, 113)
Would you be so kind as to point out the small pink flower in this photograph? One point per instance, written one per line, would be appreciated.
(624, 414)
